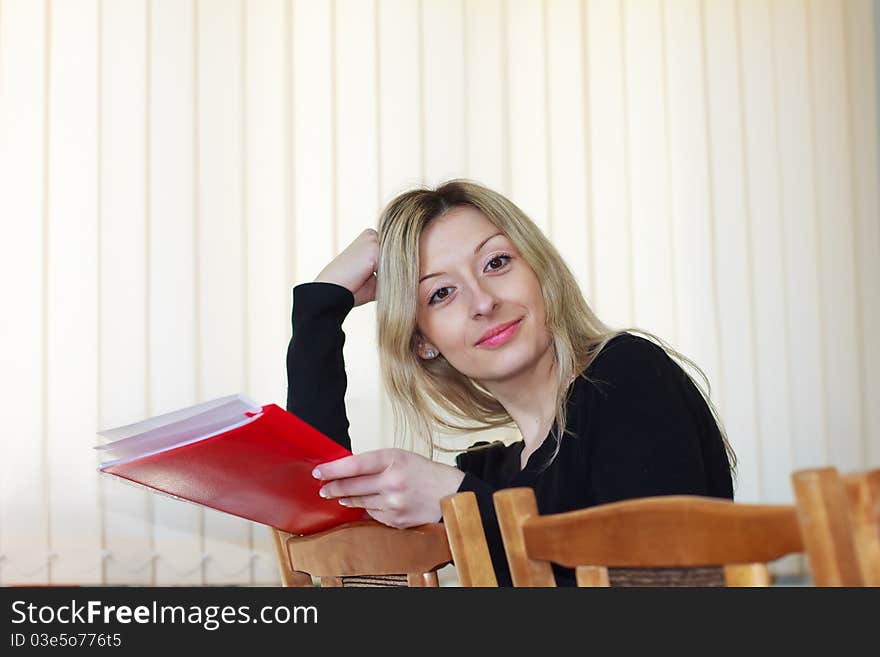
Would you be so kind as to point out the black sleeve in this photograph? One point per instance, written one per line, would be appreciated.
(646, 438)
(316, 380)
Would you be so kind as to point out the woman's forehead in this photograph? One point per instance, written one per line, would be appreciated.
(459, 229)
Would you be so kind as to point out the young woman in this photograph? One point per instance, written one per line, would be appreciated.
(481, 324)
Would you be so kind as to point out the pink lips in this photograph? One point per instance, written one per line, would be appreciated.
(502, 337)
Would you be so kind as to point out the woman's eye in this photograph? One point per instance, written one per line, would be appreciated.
(437, 297)
(434, 298)
(498, 257)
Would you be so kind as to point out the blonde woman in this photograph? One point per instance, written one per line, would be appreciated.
(481, 324)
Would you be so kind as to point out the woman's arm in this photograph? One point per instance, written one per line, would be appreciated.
(316, 380)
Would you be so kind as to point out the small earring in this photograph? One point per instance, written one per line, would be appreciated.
(430, 353)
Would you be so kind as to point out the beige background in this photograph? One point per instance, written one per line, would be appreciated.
(169, 169)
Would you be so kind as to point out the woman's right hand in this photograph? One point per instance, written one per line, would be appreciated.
(355, 267)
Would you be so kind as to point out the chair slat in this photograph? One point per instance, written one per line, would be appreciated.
(677, 530)
(467, 540)
(514, 507)
(863, 491)
(823, 512)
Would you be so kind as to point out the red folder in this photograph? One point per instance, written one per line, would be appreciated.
(256, 465)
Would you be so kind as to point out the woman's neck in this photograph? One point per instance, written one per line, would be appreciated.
(530, 399)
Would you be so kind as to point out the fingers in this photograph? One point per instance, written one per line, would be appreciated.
(369, 502)
(356, 465)
(351, 486)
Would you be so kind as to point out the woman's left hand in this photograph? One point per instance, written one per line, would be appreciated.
(396, 487)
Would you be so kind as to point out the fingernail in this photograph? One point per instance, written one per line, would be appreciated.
(343, 502)
(323, 492)
(316, 473)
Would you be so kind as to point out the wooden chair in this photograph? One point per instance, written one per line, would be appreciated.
(863, 491)
(363, 553)
(467, 540)
(827, 527)
(681, 532)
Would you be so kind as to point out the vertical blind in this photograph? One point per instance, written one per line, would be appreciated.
(170, 169)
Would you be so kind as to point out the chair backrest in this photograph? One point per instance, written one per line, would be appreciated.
(678, 532)
(863, 490)
(827, 528)
(363, 553)
(467, 540)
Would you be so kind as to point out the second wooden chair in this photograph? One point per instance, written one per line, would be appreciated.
(665, 532)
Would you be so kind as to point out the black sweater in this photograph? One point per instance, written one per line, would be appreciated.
(641, 426)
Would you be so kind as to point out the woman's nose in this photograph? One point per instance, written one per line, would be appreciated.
(483, 301)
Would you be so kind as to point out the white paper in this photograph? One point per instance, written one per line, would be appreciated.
(175, 429)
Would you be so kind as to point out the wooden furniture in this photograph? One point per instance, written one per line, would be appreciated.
(826, 525)
(363, 553)
(863, 491)
(682, 532)
(467, 540)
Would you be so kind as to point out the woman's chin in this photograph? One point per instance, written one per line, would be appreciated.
(505, 367)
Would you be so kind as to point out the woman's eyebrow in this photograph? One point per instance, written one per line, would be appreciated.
(476, 251)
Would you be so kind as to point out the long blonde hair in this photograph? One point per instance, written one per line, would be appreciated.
(427, 394)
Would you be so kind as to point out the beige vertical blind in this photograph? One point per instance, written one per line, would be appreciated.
(170, 169)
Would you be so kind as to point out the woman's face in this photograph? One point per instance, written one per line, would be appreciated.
(481, 283)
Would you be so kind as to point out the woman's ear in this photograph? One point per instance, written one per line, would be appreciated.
(426, 350)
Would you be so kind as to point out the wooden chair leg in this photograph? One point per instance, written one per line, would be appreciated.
(592, 576)
(289, 576)
(423, 580)
(747, 574)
